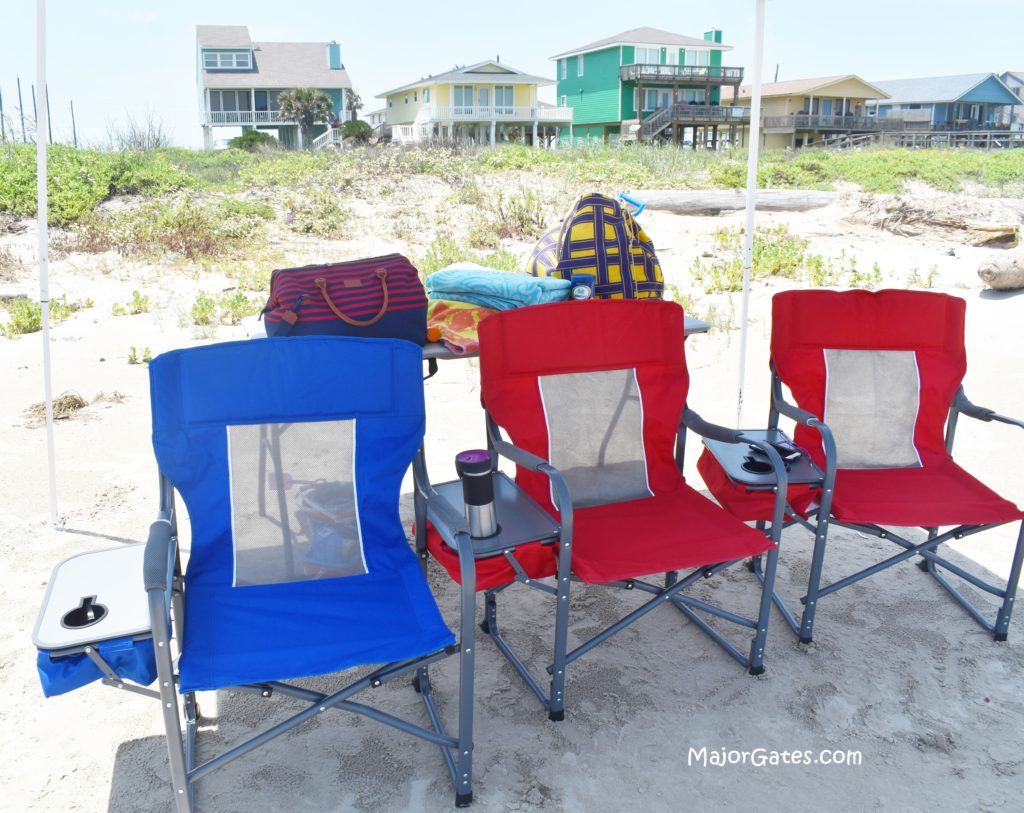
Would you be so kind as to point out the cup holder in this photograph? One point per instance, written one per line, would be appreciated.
(84, 615)
(757, 466)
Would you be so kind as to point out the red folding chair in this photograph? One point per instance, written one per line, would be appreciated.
(877, 380)
(593, 397)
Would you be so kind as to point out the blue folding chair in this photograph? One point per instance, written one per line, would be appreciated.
(289, 454)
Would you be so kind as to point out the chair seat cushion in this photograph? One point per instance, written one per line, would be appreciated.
(928, 496)
(239, 635)
(677, 530)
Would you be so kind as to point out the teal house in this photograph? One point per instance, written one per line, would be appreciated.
(649, 84)
(973, 101)
(239, 82)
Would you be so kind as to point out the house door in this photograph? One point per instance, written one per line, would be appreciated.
(976, 113)
(483, 99)
(664, 98)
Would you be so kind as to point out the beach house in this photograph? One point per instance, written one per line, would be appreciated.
(486, 103)
(801, 112)
(648, 84)
(973, 101)
(239, 81)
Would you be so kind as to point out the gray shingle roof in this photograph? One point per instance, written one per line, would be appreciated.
(930, 88)
(281, 65)
(223, 36)
(508, 76)
(644, 36)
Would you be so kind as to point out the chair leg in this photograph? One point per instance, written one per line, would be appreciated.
(764, 613)
(556, 709)
(1003, 616)
(169, 704)
(814, 581)
(467, 642)
(489, 626)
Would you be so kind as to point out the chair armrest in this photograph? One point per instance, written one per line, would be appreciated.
(706, 429)
(448, 521)
(521, 457)
(158, 558)
(962, 405)
(801, 416)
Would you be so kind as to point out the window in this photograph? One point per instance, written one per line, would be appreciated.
(426, 94)
(504, 99)
(562, 102)
(650, 99)
(415, 96)
(407, 98)
(647, 56)
(227, 60)
(391, 103)
(672, 56)
(565, 65)
(462, 99)
(579, 65)
(261, 101)
(698, 58)
(229, 101)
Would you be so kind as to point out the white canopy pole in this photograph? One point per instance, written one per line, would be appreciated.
(42, 211)
(748, 232)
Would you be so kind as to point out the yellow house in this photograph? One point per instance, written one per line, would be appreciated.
(802, 112)
(484, 103)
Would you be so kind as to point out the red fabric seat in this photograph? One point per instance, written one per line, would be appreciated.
(678, 530)
(931, 496)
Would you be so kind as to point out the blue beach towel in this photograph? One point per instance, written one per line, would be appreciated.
(490, 288)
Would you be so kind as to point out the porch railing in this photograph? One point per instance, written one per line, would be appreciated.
(697, 74)
(495, 113)
(807, 121)
(247, 117)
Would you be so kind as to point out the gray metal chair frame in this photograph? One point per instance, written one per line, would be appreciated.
(165, 587)
(553, 699)
(930, 562)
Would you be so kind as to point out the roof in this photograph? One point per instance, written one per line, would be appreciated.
(644, 36)
(509, 76)
(275, 64)
(1018, 75)
(801, 87)
(223, 36)
(935, 88)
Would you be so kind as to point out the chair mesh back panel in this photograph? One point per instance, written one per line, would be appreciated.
(871, 404)
(930, 325)
(595, 435)
(518, 348)
(293, 502)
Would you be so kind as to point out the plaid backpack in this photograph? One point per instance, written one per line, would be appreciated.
(591, 239)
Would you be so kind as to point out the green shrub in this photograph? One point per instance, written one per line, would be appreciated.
(445, 251)
(358, 131)
(321, 213)
(253, 141)
(138, 304)
(248, 208)
(140, 356)
(26, 315)
(204, 310)
(236, 306)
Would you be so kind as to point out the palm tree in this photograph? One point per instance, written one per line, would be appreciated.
(306, 106)
(353, 103)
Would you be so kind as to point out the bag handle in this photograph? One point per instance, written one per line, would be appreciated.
(382, 275)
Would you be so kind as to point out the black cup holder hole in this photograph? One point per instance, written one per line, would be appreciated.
(757, 467)
(84, 615)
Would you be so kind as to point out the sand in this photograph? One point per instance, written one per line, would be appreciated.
(897, 672)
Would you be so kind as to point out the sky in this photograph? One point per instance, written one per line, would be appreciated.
(116, 59)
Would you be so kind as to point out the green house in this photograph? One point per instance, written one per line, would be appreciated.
(647, 84)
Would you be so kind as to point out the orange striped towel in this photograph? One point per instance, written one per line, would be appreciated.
(456, 322)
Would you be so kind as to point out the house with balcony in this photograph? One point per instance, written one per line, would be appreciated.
(239, 81)
(975, 101)
(802, 112)
(486, 103)
(648, 84)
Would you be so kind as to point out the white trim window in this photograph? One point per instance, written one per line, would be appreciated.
(579, 65)
(563, 101)
(565, 67)
(462, 100)
(426, 95)
(415, 96)
(671, 56)
(698, 57)
(646, 56)
(227, 60)
(504, 99)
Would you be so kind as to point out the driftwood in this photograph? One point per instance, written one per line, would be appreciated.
(979, 224)
(714, 202)
(1004, 272)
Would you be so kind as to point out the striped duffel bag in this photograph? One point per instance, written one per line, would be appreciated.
(380, 297)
